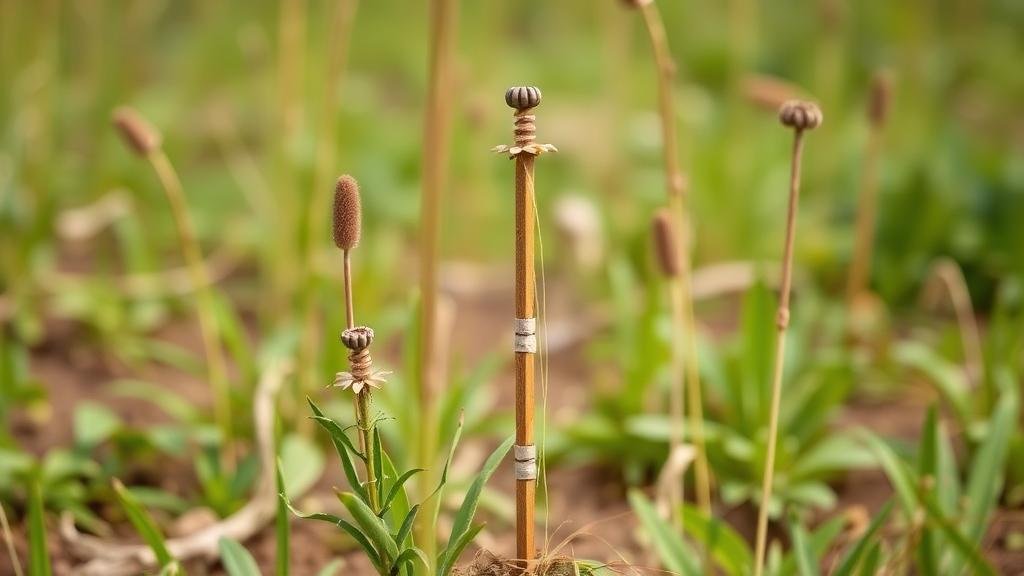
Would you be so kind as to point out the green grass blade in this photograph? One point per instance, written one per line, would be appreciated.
(236, 559)
(729, 549)
(406, 528)
(281, 528)
(806, 560)
(343, 446)
(900, 475)
(38, 556)
(372, 526)
(467, 511)
(143, 524)
(675, 554)
(353, 531)
(455, 549)
(855, 554)
(968, 551)
(397, 487)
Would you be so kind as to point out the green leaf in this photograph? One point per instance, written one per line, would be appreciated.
(372, 526)
(378, 465)
(968, 551)
(675, 554)
(331, 568)
(143, 524)
(282, 530)
(343, 446)
(236, 559)
(94, 424)
(408, 556)
(467, 511)
(854, 555)
(728, 548)
(455, 548)
(353, 531)
(397, 487)
(38, 556)
(301, 464)
(947, 377)
(403, 532)
(900, 475)
(806, 560)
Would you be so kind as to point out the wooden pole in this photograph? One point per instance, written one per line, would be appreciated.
(525, 151)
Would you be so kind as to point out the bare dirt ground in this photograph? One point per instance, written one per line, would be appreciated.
(587, 500)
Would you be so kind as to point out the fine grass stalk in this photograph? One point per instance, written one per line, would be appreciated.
(12, 552)
(800, 116)
(436, 138)
(143, 139)
(867, 208)
(684, 325)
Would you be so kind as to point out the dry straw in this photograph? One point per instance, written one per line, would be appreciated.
(801, 117)
(684, 324)
(143, 139)
(879, 102)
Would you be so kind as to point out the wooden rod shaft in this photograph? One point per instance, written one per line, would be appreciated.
(526, 292)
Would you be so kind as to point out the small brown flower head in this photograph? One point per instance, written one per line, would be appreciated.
(666, 249)
(357, 338)
(347, 213)
(800, 115)
(136, 131)
(880, 99)
(523, 97)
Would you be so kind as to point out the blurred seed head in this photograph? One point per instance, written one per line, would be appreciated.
(138, 134)
(800, 115)
(523, 97)
(636, 3)
(666, 249)
(880, 99)
(348, 213)
(769, 92)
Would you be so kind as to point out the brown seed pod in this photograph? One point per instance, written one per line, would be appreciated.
(880, 98)
(137, 132)
(357, 338)
(800, 115)
(666, 249)
(347, 213)
(523, 97)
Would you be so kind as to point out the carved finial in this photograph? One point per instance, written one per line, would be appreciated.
(523, 97)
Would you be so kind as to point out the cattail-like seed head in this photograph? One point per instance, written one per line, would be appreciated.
(800, 115)
(136, 131)
(636, 3)
(666, 249)
(880, 99)
(348, 213)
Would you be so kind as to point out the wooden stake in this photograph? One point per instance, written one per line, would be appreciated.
(524, 151)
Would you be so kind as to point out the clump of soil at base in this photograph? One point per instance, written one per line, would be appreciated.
(487, 564)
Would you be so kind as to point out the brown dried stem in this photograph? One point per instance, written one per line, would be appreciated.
(684, 324)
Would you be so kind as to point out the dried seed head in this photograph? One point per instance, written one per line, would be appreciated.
(357, 338)
(523, 97)
(769, 92)
(665, 245)
(880, 99)
(636, 3)
(800, 115)
(136, 131)
(347, 213)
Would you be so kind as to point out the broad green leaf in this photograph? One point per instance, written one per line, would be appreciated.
(675, 554)
(728, 548)
(94, 424)
(806, 560)
(372, 526)
(236, 559)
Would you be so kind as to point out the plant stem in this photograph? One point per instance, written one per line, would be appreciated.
(867, 211)
(339, 33)
(215, 362)
(684, 324)
(366, 437)
(781, 323)
(436, 137)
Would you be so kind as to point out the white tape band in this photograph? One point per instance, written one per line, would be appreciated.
(525, 335)
(526, 462)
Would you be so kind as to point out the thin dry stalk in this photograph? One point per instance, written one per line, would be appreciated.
(12, 552)
(867, 209)
(684, 324)
(339, 34)
(436, 138)
(948, 273)
(800, 116)
(145, 141)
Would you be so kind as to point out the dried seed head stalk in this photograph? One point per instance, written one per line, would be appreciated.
(665, 246)
(347, 213)
(361, 376)
(137, 132)
(880, 99)
(800, 116)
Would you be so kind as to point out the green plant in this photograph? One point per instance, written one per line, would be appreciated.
(381, 512)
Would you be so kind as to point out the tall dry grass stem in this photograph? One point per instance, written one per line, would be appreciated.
(436, 138)
(143, 139)
(524, 150)
(879, 102)
(339, 34)
(684, 324)
(801, 117)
